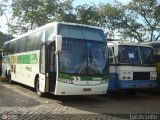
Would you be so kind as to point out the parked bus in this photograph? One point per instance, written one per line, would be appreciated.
(156, 58)
(60, 58)
(130, 66)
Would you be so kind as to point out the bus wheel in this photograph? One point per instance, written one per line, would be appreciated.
(37, 88)
(9, 77)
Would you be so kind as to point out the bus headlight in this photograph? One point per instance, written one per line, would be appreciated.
(126, 75)
(153, 75)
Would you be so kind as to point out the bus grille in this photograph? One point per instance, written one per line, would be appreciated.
(141, 75)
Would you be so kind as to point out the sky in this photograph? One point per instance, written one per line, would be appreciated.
(3, 20)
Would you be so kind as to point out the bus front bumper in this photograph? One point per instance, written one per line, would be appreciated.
(71, 89)
(137, 84)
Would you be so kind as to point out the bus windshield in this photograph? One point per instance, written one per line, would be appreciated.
(128, 54)
(146, 55)
(81, 32)
(82, 57)
(134, 55)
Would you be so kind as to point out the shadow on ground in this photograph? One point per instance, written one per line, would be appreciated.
(9, 98)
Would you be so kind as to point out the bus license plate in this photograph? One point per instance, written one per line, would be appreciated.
(86, 89)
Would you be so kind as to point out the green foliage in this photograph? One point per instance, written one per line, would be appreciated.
(65, 12)
(30, 14)
(87, 14)
(2, 7)
(149, 13)
(4, 38)
(139, 19)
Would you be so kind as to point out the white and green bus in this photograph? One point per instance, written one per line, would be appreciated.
(60, 58)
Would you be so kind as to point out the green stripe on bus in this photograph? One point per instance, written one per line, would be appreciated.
(82, 78)
(33, 58)
(20, 59)
(27, 59)
(66, 76)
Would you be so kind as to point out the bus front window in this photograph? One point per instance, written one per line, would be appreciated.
(146, 55)
(96, 58)
(73, 57)
(81, 57)
(128, 54)
(83, 50)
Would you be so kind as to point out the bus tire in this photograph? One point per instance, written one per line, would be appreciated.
(40, 94)
(9, 77)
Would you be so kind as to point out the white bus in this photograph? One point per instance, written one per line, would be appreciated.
(131, 66)
(60, 58)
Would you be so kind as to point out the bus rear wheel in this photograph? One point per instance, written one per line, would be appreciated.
(37, 88)
(9, 77)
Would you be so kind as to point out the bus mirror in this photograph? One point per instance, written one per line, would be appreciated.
(58, 41)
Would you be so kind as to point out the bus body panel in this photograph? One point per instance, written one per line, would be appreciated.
(70, 89)
(135, 68)
(23, 71)
(42, 82)
(113, 82)
(136, 84)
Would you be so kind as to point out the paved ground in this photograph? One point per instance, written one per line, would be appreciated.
(13, 99)
(20, 102)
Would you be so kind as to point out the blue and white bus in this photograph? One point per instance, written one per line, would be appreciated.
(60, 58)
(131, 66)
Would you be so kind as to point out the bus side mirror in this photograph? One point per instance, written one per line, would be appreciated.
(58, 41)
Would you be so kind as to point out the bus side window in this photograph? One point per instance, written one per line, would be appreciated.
(111, 55)
(156, 54)
(42, 59)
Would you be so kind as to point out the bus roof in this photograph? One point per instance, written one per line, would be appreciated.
(126, 43)
(151, 43)
(52, 24)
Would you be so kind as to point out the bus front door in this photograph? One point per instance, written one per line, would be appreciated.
(42, 69)
(51, 70)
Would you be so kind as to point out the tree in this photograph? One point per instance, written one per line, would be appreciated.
(139, 19)
(2, 6)
(87, 14)
(66, 12)
(110, 18)
(149, 13)
(29, 14)
(4, 38)
(3, 9)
